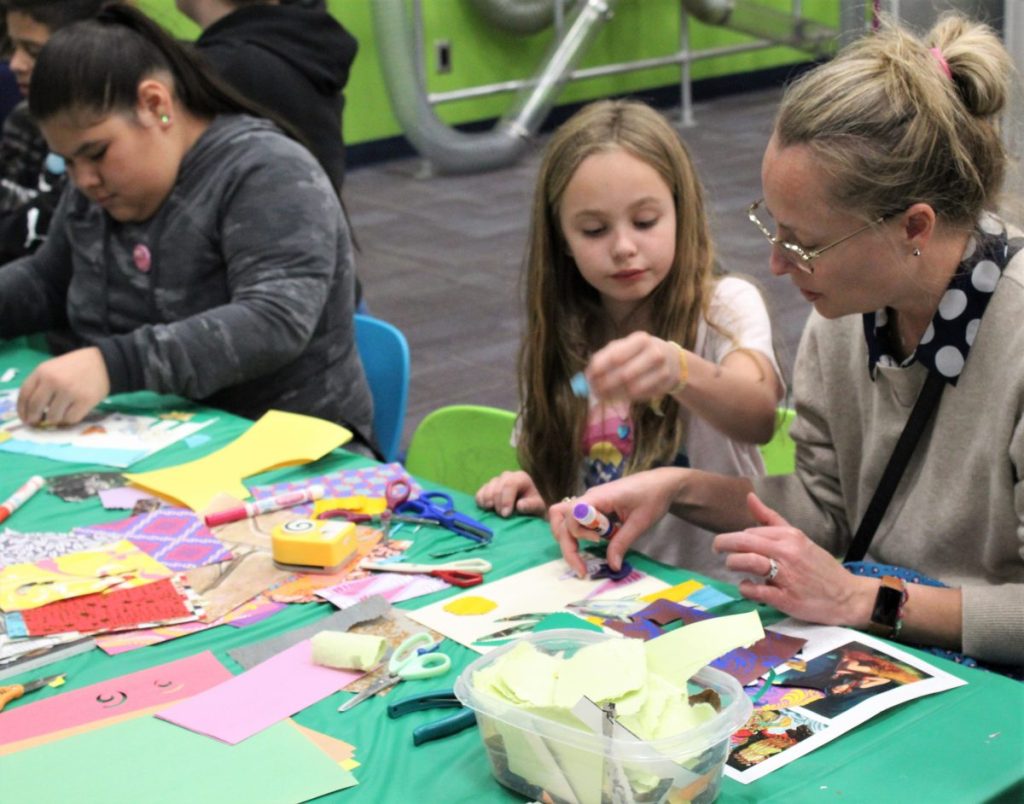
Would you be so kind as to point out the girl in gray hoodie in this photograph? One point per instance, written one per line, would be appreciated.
(198, 251)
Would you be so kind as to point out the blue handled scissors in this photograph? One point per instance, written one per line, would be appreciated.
(439, 506)
(406, 663)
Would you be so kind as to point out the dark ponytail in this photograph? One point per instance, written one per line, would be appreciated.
(96, 66)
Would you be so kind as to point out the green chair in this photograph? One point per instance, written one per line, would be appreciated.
(463, 446)
(779, 454)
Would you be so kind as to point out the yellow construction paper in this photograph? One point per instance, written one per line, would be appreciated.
(357, 504)
(677, 655)
(277, 439)
(4, 437)
(470, 605)
(121, 565)
(676, 593)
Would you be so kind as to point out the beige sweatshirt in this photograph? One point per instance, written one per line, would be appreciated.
(958, 513)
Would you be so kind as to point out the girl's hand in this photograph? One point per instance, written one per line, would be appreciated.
(511, 492)
(637, 501)
(637, 367)
(64, 389)
(809, 584)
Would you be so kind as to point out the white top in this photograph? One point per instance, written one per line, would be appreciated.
(738, 309)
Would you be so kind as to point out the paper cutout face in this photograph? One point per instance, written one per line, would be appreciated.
(134, 694)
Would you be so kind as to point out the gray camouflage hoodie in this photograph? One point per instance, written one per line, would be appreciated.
(238, 292)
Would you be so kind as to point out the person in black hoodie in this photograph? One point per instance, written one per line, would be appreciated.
(290, 58)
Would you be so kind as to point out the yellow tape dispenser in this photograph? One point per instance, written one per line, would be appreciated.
(309, 545)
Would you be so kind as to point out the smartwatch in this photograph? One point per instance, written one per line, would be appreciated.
(886, 617)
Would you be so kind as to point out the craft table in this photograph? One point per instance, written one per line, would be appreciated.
(966, 744)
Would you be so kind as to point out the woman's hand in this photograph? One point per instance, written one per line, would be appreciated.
(809, 583)
(511, 492)
(64, 389)
(636, 501)
(637, 367)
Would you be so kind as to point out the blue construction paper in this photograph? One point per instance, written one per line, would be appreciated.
(121, 458)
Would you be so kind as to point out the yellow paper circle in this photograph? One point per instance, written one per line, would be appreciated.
(470, 605)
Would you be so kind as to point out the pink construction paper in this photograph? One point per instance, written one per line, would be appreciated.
(123, 497)
(136, 692)
(259, 698)
(393, 587)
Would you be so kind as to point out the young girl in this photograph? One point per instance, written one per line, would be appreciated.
(620, 286)
(200, 252)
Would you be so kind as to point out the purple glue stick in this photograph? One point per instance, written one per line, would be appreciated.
(592, 519)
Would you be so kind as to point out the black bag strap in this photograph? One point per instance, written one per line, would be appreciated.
(926, 403)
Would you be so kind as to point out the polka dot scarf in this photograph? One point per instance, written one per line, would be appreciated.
(948, 339)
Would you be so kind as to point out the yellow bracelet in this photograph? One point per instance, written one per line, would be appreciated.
(684, 370)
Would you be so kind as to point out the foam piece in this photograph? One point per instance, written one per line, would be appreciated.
(350, 651)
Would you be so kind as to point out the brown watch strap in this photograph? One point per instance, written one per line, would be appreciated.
(885, 616)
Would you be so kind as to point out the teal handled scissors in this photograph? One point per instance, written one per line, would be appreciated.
(436, 699)
(405, 664)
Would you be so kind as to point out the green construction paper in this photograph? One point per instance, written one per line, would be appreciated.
(563, 619)
(678, 654)
(529, 675)
(604, 671)
(145, 759)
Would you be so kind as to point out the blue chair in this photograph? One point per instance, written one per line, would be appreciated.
(385, 355)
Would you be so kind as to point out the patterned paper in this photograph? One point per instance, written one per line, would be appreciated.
(370, 481)
(175, 537)
(124, 641)
(27, 548)
(121, 564)
(108, 438)
(393, 587)
(164, 601)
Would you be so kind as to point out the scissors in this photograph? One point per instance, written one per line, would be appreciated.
(397, 492)
(13, 692)
(467, 572)
(439, 506)
(406, 663)
(436, 699)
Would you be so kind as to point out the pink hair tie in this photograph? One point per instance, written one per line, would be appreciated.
(943, 64)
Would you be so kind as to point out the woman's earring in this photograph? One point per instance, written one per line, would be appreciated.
(165, 119)
(916, 252)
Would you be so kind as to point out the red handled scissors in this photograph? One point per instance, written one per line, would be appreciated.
(467, 572)
(397, 492)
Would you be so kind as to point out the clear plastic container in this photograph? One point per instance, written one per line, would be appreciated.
(537, 755)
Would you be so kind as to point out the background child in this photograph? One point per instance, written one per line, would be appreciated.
(620, 284)
(30, 184)
(201, 251)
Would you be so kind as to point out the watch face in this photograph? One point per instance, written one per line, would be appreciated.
(887, 606)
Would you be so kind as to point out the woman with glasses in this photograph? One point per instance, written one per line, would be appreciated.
(878, 182)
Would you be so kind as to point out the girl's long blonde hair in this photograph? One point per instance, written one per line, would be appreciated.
(565, 322)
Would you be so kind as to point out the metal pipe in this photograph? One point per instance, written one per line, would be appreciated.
(520, 17)
(757, 20)
(452, 151)
(603, 71)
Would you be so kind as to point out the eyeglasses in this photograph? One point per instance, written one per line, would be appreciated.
(804, 256)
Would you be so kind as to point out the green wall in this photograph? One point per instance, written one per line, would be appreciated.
(482, 54)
